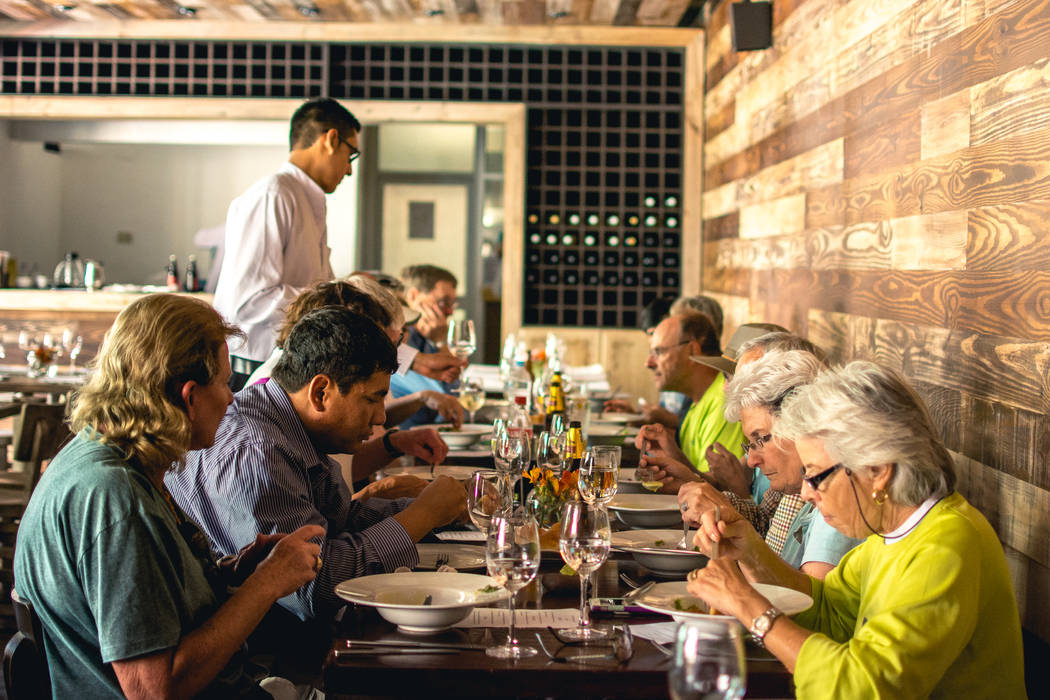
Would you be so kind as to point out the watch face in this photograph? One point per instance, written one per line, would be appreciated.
(763, 622)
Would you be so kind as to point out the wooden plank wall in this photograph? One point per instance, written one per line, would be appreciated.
(879, 180)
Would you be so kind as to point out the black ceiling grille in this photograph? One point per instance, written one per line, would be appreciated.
(604, 142)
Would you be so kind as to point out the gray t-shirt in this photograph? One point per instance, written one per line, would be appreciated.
(101, 558)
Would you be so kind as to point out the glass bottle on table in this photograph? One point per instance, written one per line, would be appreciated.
(555, 401)
(584, 544)
(574, 447)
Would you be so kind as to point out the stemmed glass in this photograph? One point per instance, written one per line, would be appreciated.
(708, 663)
(584, 544)
(471, 398)
(72, 344)
(550, 450)
(599, 472)
(486, 497)
(461, 338)
(512, 555)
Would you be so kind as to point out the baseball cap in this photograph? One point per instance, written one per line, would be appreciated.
(726, 362)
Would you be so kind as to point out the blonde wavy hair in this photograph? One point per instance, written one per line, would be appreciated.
(133, 400)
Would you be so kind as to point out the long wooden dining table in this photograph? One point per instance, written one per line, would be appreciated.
(474, 674)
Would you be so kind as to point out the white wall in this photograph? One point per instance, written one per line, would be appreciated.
(161, 194)
(5, 205)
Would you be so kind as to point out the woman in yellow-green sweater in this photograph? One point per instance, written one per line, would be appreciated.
(924, 607)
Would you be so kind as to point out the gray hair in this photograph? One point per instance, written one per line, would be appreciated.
(779, 341)
(703, 304)
(768, 381)
(387, 299)
(868, 415)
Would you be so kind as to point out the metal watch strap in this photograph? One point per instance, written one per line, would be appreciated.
(389, 446)
(762, 624)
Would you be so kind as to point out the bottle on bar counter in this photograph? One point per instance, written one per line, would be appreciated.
(173, 274)
(192, 283)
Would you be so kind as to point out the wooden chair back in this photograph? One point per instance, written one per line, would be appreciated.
(25, 660)
(39, 432)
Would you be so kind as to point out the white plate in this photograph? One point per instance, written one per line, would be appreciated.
(663, 558)
(423, 471)
(611, 430)
(614, 417)
(460, 556)
(467, 435)
(646, 510)
(399, 597)
(661, 598)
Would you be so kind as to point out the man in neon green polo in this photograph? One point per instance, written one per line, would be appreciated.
(672, 343)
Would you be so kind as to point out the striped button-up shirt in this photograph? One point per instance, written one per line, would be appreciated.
(264, 475)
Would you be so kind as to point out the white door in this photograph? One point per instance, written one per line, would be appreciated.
(426, 224)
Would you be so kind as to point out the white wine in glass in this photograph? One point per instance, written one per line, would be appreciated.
(461, 338)
(471, 398)
(599, 474)
(646, 475)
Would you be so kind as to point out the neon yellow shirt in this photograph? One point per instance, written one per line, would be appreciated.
(930, 615)
(705, 424)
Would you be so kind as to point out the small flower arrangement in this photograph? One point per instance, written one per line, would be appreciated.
(549, 492)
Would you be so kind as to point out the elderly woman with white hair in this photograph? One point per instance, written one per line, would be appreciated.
(782, 528)
(924, 608)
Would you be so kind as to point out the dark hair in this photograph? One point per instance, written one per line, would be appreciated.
(426, 277)
(655, 311)
(315, 117)
(698, 326)
(338, 343)
(703, 304)
(337, 293)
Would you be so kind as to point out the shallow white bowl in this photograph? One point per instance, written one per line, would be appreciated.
(661, 598)
(646, 510)
(399, 597)
(467, 435)
(655, 550)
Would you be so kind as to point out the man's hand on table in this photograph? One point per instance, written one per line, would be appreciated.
(729, 472)
(441, 502)
(441, 365)
(423, 443)
(390, 487)
(447, 406)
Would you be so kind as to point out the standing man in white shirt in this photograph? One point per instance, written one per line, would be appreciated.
(277, 234)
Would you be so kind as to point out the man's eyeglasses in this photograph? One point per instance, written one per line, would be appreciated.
(758, 444)
(354, 152)
(445, 304)
(660, 350)
(817, 479)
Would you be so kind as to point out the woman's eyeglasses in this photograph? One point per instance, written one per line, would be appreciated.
(758, 444)
(817, 479)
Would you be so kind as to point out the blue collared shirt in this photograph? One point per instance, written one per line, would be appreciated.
(264, 475)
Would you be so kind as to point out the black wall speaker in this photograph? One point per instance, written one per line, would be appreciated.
(752, 25)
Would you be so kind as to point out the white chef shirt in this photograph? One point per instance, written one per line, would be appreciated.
(276, 245)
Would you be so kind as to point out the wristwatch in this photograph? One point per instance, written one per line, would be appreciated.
(762, 624)
(389, 446)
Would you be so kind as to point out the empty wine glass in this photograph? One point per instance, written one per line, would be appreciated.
(550, 450)
(486, 496)
(461, 338)
(599, 474)
(559, 424)
(584, 545)
(471, 398)
(708, 662)
(72, 344)
(512, 555)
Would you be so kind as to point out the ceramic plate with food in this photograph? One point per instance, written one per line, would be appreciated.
(657, 550)
(465, 436)
(646, 510)
(673, 599)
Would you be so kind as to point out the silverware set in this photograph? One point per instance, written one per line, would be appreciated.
(363, 647)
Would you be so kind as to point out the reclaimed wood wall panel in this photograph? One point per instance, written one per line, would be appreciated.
(879, 180)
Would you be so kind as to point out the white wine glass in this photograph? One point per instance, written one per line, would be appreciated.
(486, 497)
(598, 478)
(708, 663)
(512, 555)
(72, 344)
(471, 398)
(462, 340)
(550, 450)
(584, 545)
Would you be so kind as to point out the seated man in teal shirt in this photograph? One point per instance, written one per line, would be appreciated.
(672, 343)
